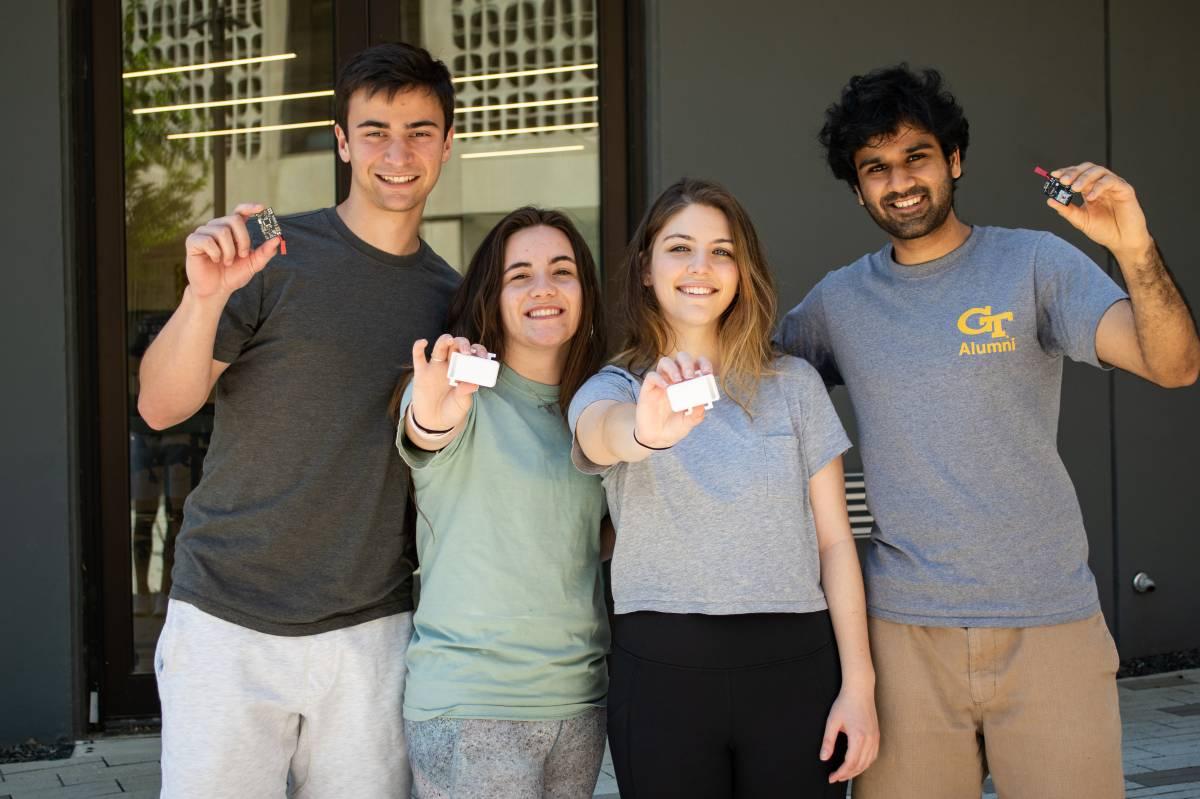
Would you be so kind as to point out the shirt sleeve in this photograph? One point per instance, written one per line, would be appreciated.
(805, 334)
(1073, 293)
(240, 320)
(418, 458)
(610, 383)
(822, 436)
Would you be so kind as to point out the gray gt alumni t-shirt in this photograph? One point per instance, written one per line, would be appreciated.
(954, 369)
(721, 523)
(296, 527)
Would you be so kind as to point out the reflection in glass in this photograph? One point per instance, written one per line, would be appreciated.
(552, 100)
(183, 166)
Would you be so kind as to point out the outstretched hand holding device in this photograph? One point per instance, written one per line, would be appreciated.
(438, 408)
(658, 424)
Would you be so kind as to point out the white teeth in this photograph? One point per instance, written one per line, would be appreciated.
(539, 313)
(699, 291)
(397, 179)
(907, 203)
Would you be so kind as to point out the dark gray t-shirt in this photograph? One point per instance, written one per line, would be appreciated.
(721, 522)
(954, 369)
(296, 527)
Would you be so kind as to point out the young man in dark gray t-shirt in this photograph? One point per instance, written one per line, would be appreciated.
(282, 657)
(990, 651)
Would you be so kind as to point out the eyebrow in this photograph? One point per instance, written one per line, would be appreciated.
(375, 123)
(876, 159)
(526, 264)
(689, 238)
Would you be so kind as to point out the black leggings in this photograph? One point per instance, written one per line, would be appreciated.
(723, 706)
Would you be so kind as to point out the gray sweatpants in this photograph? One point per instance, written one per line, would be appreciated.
(478, 758)
(246, 713)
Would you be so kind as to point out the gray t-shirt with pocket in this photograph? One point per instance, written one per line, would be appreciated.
(721, 522)
(954, 369)
(297, 526)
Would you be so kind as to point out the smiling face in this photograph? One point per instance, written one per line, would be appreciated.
(395, 147)
(906, 183)
(541, 299)
(693, 268)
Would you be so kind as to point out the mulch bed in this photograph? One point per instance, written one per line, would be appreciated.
(1157, 664)
(32, 750)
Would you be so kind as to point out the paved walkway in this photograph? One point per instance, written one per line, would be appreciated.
(1161, 717)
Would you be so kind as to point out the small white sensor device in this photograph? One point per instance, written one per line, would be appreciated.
(473, 369)
(700, 390)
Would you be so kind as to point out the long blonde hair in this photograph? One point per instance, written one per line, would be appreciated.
(744, 329)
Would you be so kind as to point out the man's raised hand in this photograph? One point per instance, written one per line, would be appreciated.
(1111, 215)
(219, 258)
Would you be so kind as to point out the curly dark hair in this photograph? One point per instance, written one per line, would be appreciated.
(880, 103)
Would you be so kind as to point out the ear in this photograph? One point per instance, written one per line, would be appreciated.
(955, 160)
(343, 145)
(446, 145)
(647, 281)
(858, 194)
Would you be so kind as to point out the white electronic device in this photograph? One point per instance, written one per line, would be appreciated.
(473, 369)
(700, 390)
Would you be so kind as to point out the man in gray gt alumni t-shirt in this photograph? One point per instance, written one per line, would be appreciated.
(955, 386)
(985, 625)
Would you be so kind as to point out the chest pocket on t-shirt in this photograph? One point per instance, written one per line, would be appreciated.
(783, 467)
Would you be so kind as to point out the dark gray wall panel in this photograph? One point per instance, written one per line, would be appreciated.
(35, 573)
(737, 91)
(1155, 119)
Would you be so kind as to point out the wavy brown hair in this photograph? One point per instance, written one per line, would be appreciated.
(475, 307)
(745, 328)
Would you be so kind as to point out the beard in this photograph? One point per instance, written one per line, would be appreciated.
(940, 202)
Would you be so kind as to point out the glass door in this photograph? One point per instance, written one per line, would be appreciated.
(221, 102)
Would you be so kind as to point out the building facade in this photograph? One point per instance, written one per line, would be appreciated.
(132, 121)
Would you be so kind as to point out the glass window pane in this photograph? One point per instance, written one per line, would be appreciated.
(530, 138)
(201, 135)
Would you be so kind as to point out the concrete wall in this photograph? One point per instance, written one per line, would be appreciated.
(737, 92)
(37, 668)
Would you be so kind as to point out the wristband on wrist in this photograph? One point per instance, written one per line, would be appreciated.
(647, 446)
(412, 417)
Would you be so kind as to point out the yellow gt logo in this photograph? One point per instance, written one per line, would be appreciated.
(987, 322)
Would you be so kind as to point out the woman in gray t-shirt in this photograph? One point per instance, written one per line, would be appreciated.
(740, 652)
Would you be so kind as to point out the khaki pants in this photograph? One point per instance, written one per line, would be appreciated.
(1035, 707)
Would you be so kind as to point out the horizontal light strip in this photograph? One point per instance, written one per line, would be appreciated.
(262, 129)
(524, 72)
(538, 129)
(532, 151)
(474, 109)
(210, 65)
(274, 98)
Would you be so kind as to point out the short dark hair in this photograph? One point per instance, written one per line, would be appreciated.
(882, 101)
(393, 67)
